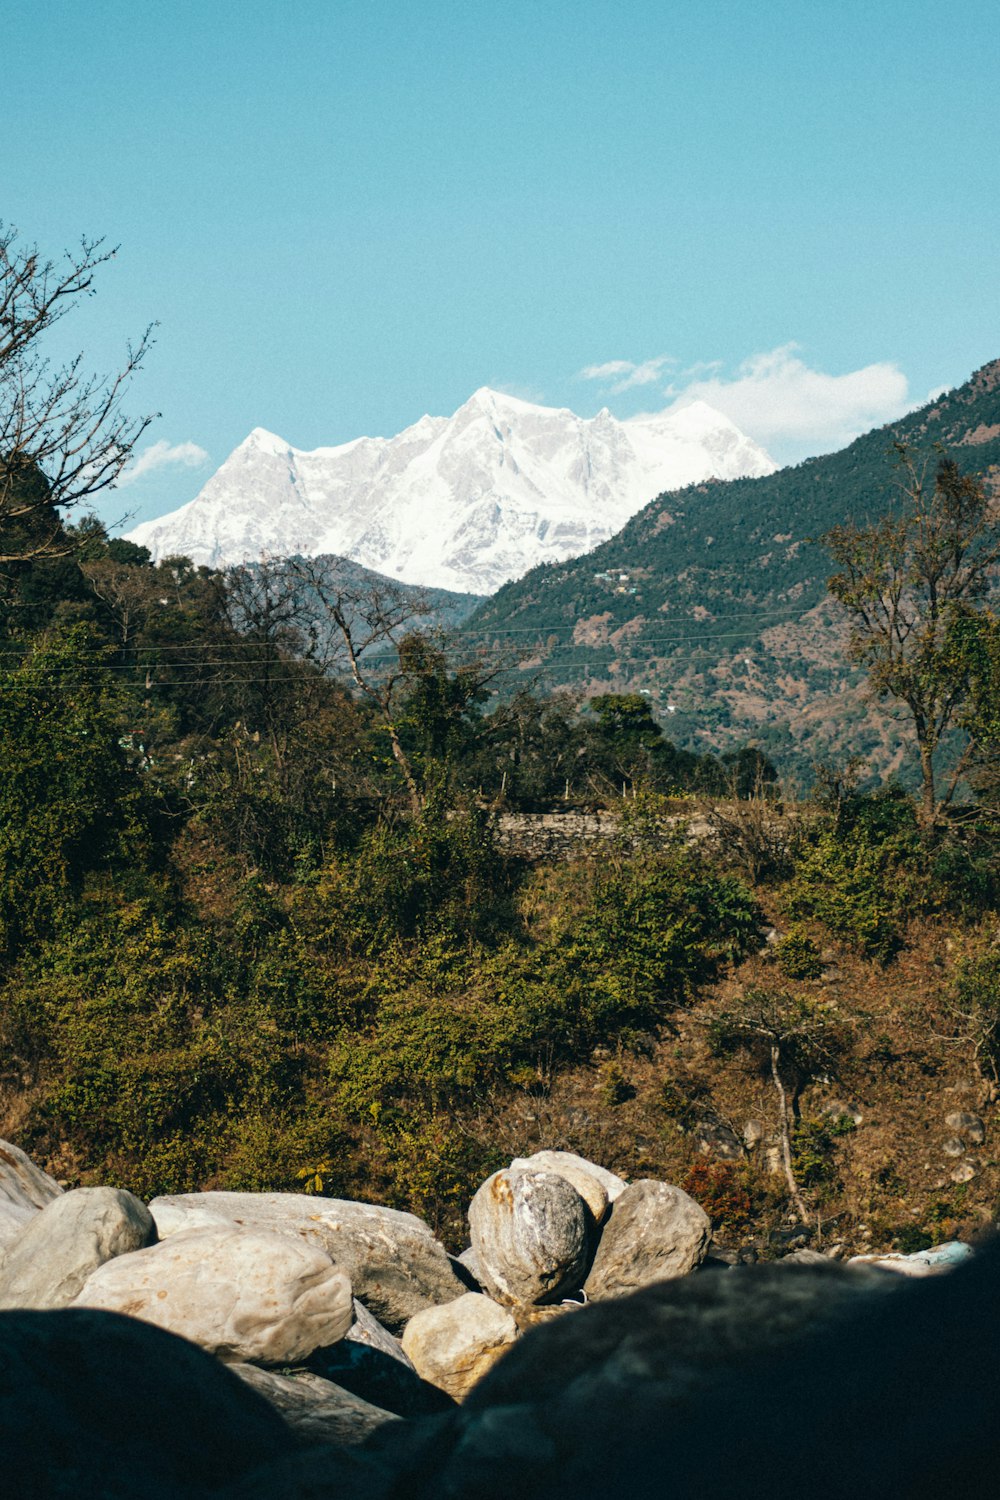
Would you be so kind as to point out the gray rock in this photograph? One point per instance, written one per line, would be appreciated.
(529, 1235)
(674, 1370)
(803, 1258)
(953, 1146)
(24, 1189)
(239, 1293)
(317, 1410)
(48, 1263)
(718, 1140)
(98, 1407)
(454, 1346)
(655, 1232)
(394, 1263)
(964, 1172)
(969, 1125)
(367, 1330)
(470, 1264)
(574, 1168)
(753, 1134)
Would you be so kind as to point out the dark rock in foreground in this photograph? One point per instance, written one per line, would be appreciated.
(98, 1406)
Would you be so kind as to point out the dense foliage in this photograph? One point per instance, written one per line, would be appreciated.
(233, 952)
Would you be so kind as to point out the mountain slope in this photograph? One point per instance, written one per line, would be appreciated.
(464, 502)
(713, 598)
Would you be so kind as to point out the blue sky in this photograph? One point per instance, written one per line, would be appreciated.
(345, 214)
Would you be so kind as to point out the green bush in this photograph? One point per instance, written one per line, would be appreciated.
(813, 1150)
(798, 957)
(975, 1007)
(71, 798)
(862, 874)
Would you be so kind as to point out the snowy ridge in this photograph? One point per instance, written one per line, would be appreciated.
(464, 502)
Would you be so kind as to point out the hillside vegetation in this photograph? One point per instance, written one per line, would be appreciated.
(257, 931)
(713, 598)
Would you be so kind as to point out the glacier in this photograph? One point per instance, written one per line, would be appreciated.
(465, 502)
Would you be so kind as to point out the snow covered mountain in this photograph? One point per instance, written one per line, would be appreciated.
(463, 502)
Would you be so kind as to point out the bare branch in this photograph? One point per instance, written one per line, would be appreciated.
(64, 436)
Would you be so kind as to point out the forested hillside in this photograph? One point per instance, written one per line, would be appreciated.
(257, 929)
(714, 599)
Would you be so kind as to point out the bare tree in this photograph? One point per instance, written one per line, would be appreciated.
(129, 594)
(402, 671)
(792, 1040)
(63, 434)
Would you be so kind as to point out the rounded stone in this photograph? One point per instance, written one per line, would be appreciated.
(453, 1346)
(655, 1232)
(61, 1245)
(529, 1235)
(579, 1172)
(241, 1294)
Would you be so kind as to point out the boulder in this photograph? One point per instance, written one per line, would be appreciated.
(317, 1410)
(920, 1262)
(368, 1331)
(239, 1293)
(100, 1407)
(655, 1232)
(529, 1235)
(470, 1265)
(579, 1173)
(769, 1381)
(717, 1140)
(454, 1346)
(24, 1189)
(392, 1259)
(59, 1247)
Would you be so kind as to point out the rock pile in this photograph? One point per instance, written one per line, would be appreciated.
(320, 1323)
(268, 1281)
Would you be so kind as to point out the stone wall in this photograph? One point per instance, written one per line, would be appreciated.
(573, 835)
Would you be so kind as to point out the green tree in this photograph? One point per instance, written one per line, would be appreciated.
(904, 581)
(71, 799)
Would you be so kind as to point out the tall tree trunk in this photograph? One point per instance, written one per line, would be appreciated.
(928, 800)
(403, 762)
(786, 1136)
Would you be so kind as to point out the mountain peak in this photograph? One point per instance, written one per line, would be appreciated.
(260, 437)
(444, 503)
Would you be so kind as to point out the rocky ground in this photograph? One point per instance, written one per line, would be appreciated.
(586, 1341)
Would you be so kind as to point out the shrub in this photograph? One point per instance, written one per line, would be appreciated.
(724, 1191)
(798, 957)
(974, 1006)
(814, 1144)
(861, 873)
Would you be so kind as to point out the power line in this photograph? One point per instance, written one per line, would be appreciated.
(238, 658)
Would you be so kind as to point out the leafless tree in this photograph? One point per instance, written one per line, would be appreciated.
(370, 619)
(64, 436)
(791, 1039)
(373, 634)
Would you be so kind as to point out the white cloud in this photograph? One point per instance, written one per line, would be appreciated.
(796, 411)
(625, 374)
(160, 455)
